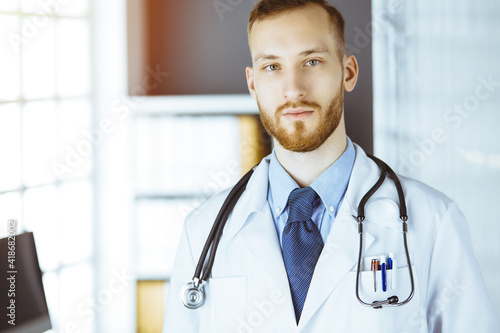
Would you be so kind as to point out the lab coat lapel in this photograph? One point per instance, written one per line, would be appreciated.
(338, 258)
(254, 227)
(252, 223)
(341, 250)
(253, 200)
(259, 236)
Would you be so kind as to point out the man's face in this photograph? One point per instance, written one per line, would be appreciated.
(297, 77)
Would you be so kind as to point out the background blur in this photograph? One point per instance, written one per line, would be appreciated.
(118, 117)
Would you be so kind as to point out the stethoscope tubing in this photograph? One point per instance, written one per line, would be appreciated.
(215, 234)
(385, 171)
(204, 267)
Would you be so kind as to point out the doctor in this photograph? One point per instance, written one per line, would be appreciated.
(287, 259)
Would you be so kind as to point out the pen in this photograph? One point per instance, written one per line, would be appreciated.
(394, 267)
(374, 268)
(390, 275)
(383, 260)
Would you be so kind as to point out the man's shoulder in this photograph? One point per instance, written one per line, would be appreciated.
(416, 192)
(422, 198)
(421, 188)
(207, 211)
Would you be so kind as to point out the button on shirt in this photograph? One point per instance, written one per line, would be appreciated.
(330, 186)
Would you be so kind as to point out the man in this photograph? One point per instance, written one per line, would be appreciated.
(288, 256)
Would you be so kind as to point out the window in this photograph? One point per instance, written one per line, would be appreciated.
(436, 88)
(46, 176)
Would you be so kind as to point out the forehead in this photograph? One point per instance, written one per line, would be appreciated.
(293, 31)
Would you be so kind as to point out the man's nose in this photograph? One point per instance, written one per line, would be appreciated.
(294, 86)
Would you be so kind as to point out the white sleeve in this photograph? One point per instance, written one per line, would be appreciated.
(457, 299)
(178, 318)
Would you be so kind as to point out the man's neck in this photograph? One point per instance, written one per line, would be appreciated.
(304, 168)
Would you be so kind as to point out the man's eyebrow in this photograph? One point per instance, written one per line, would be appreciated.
(311, 51)
(262, 56)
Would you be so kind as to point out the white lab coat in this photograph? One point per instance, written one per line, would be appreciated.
(249, 291)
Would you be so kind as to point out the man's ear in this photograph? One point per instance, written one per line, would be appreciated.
(250, 83)
(350, 73)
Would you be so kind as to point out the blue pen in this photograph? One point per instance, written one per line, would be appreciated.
(394, 269)
(383, 261)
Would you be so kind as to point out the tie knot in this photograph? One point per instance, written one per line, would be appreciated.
(300, 204)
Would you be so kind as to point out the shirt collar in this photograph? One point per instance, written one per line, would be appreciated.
(330, 185)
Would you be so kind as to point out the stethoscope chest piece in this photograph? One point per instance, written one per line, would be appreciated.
(192, 295)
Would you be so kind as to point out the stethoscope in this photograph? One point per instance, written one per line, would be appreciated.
(193, 295)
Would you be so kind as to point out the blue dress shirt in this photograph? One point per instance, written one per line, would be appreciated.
(330, 186)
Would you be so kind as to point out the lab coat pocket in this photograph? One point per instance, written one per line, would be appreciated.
(407, 318)
(228, 303)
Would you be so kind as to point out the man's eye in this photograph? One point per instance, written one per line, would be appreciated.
(272, 68)
(314, 62)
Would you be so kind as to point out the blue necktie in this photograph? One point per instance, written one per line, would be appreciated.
(302, 245)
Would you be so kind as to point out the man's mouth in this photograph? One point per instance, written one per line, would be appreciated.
(297, 114)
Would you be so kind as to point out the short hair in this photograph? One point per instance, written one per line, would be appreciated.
(267, 8)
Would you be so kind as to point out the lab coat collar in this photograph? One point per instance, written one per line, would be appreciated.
(364, 175)
(330, 185)
(253, 200)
